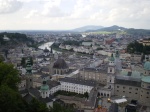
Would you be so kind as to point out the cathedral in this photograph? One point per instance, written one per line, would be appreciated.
(131, 84)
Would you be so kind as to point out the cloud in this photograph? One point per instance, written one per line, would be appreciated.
(32, 13)
(52, 9)
(75, 13)
(9, 6)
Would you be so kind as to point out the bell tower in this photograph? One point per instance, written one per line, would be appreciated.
(111, 74)
(51, 71)
(29, 77)
(44, 90)
(111, 65)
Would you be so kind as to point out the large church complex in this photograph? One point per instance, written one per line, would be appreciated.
(111, 78)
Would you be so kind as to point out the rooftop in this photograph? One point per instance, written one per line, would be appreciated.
(77, 81)
(128, 82)
(146, 79)
(60, 64)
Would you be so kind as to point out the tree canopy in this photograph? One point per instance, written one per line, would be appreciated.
(11, 101)
(10, 98)
(136, 47)
(9, 76)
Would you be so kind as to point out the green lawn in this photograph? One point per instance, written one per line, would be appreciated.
(69, 94)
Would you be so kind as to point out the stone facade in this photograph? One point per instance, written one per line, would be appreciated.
(98, 75)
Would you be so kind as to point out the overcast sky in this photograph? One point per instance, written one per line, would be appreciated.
(69, 14)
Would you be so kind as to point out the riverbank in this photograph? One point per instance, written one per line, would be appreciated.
(56, 48)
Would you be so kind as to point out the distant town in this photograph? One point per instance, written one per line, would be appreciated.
(86, 71)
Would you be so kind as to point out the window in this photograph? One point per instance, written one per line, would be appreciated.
(117, 86)
(117, 90)
(123, 91)
(147, 92)
(130, 88)
(135, 93)
(110, 80)
(129, 92)
(136, 89)
(110, 69)
(123, 87)
(147, 97)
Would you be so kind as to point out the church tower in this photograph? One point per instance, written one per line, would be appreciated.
(118, 62)
(29, 77)
(44, 90)
(51, 71)
(111, 74)
(111, 65)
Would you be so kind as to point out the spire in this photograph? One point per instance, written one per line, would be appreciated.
(117, 54)
(112, 57)
(28, 66)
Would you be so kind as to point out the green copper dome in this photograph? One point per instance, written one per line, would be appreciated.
(44, 88)
(147, 65)
(146, 79)
(112, 58)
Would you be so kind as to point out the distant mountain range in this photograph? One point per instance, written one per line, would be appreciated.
(114, 28)
(87, 28)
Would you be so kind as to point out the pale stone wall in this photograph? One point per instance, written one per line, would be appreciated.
(131, 92)
(93, 75)
(145, 94)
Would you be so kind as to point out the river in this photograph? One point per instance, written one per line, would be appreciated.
(47, 45)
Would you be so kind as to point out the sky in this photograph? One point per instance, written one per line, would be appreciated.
(70, 14)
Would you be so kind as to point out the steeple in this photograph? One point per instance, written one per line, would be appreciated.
(44, 90)
(51, 62)
(29, 77)
(118, 62)
(111, 65)
(111, 60)
(117, 54)
(28, 66)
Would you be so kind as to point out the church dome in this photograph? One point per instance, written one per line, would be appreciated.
(44, 87)
(60, 64)
(147, 65)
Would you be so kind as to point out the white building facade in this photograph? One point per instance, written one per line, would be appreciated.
(77, 86)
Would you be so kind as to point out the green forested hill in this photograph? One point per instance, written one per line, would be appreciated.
(15, 38)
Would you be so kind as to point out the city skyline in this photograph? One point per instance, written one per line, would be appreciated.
(70, 14)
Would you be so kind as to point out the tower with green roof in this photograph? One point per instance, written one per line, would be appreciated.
(44, 90)
(147, 68)
(111, 74)
(145, 85)
(117, 54)
(111, 65)
(29, 77)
